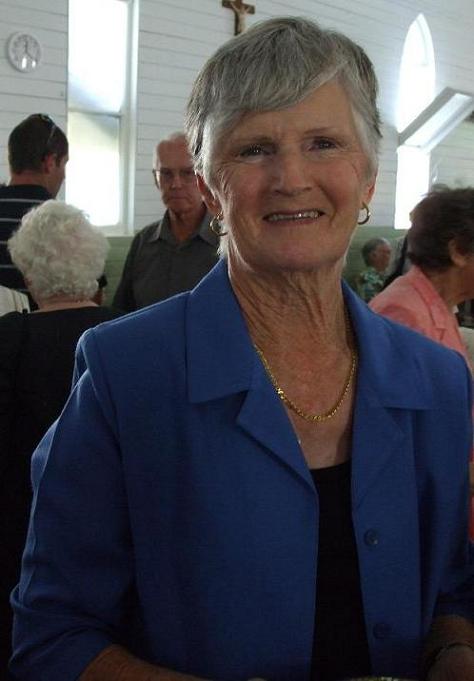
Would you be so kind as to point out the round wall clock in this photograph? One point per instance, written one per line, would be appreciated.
(24, 51)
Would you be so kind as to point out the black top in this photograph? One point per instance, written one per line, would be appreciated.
(36, 367)
(340, 648)
(15, 201)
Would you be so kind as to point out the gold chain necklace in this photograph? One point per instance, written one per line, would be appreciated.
(314, 418)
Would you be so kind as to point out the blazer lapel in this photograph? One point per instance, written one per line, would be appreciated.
(388, 384)
(376, 438)
(264, 418)
(221, 362)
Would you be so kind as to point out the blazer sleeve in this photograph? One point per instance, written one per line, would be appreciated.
(66, 613)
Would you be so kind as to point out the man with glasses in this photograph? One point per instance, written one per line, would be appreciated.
(173, 254)
(37, 157)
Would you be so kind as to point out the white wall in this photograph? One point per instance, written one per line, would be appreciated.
(177, 35)
(43, 91)
(452, 161)
(175, 38)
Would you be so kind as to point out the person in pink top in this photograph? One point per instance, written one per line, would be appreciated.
(414, 300)
(441, 249)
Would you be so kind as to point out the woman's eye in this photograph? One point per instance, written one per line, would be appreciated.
(252, 151)
(323, 144)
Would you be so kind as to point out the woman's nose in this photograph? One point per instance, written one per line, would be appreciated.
(290, 173)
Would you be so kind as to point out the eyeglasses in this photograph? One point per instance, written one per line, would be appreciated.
(167, 175)
(52, 129)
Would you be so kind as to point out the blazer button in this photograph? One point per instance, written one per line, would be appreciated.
(382, 630)
(371, 538)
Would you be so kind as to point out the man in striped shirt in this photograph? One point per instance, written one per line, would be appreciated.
(37, 156)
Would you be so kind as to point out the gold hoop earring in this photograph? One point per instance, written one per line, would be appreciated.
(367, 214)
(216, 226)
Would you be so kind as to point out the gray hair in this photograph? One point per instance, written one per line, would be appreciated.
(369, 247)
(276, 64)
(176, 136)
(59, 252)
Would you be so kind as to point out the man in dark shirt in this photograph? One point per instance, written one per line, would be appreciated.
(37, 156)
(173, 254)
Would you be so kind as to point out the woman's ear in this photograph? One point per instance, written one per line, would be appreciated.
(458, 259)
(370, 189)
(211, 201)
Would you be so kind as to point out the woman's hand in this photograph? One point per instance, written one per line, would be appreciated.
(117, 664)
(449, 650)
(453, 664)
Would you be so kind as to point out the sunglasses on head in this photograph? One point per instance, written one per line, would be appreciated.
(52, 128)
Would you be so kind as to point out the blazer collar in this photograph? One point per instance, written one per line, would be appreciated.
(390, 372)
(222, 360)
(221, 357)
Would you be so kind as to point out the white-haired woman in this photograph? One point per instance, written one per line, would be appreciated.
(260, 477)
(60, 256)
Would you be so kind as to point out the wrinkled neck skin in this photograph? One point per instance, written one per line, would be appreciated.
(292, 313)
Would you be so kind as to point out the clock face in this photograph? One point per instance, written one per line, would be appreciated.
(24, 51)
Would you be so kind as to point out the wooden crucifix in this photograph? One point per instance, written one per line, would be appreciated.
(240, 9)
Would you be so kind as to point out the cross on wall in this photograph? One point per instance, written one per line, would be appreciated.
(240, 10)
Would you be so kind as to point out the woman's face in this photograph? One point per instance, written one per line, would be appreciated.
(380, 257)
(290, 184)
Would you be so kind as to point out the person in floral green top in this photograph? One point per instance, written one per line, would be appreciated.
(376, 253)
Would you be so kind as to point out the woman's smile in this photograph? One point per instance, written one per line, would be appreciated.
(299, 216)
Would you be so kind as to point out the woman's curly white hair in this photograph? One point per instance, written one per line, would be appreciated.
(59, 252)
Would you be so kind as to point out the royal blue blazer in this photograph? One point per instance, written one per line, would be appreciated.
(174, 512)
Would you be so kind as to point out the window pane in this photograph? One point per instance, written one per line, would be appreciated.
(417, 73)
(413, 176)
(93, 171)
(97, 57)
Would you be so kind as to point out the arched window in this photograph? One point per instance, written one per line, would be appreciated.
(416, 91)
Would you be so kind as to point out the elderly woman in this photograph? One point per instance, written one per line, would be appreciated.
(238, 487)
(60, 255)
(376, 253)
(440, 244)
